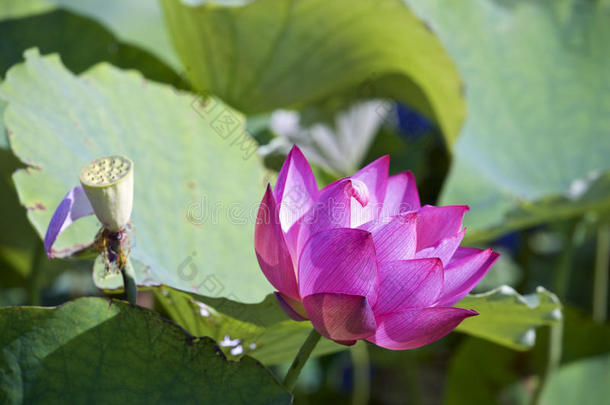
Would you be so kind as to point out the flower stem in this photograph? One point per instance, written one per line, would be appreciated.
(361, 363)
(301, 358)
(600, 277)
(129, 283)
(118, 251)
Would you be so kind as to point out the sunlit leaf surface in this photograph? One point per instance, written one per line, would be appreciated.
(198, 181)
(270, 54)
(260, 330)
(508, 318)
(538, 125)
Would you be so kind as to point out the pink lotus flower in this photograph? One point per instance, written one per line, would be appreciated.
(362, 259)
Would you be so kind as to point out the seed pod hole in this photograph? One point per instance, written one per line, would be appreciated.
(105, 171)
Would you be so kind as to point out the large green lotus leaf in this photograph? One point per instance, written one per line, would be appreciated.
(260, 330)
(136, 22)
(49, 31)
(536, 77)
(510, 319)
(197, 182)
(147, 31)
(22, 260)
(102, 351)
(270, 54)
(581, 382)
(80, 41)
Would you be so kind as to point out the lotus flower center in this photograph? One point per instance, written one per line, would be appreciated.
(105, 171)
(358, 190)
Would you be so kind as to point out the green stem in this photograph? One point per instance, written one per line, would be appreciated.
(411, 376)
(33, 281)
(119, 246)
(361, 363)
(301, 358)
(600, 277)
(129, 283)
(553, 357)
(564, 265)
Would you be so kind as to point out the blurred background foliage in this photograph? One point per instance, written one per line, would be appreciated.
(498, 104)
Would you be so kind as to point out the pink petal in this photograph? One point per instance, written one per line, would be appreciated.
(292, 239)
(341, 317)
(462, 252)
(395, 237)
(416, 327)
(408, 283)
(464, 273)
(75, 205)
(295, 189)
(437, 223)
(401, 195)
(375, 177)
(293, 308)
(339, 261)
(331, 210)
(271, 250)
(443, 249)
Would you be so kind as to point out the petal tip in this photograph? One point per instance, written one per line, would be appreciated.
(358, 190)
(267, 207)
(491, 256)
(295, 157)
(268, 191)
(295, 150)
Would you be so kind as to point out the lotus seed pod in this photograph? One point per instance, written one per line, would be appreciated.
(108, 183)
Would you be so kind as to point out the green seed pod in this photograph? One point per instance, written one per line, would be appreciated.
(108, 183)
